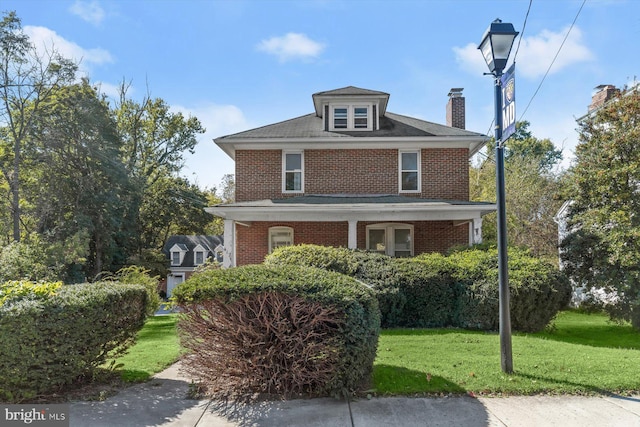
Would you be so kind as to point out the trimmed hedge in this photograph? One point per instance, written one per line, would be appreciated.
(353, 332)
(49, 343)
(434, 290)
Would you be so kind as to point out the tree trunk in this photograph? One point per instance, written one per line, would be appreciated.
(15, 190)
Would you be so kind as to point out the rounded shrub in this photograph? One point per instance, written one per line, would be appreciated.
(49, 342)
(377, 270)
(340, 260)
(538, 290)
(278, 329)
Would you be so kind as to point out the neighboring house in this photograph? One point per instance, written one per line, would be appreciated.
(352, 174)
(186, 253)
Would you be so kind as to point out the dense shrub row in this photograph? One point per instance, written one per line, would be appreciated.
(48, 342)
(284, 330)
(434, 290)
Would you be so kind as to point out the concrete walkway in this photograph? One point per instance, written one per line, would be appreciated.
(162, 402)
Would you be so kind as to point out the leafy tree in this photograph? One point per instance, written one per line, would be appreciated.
(27, 79)
(82, 184)
(172, 205)
(531, 191)
(228, 188)
(155, 140)
(604, 250)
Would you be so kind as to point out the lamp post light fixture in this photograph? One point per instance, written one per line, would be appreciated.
(495, 47)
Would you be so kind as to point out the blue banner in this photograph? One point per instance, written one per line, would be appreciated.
(508, 82)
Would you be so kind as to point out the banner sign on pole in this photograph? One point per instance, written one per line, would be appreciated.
(508, 82)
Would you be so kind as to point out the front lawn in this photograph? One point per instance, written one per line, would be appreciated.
(579, 354)
(156, 348)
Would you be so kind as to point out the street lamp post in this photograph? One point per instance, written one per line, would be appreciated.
(495, 47)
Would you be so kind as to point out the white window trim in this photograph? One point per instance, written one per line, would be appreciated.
(284, 172)
(175, 248)
(351, 117)
(203, 251)
(389, 228)
(278, 229)
(400, 170)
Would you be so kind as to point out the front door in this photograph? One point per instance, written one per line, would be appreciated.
(173, 280)
(391, 239)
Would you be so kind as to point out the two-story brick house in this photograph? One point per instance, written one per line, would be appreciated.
(352, 174)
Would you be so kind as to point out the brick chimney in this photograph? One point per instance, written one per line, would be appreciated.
(455, 108)
(603, 94)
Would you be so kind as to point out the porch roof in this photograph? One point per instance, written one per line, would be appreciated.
(350, 207)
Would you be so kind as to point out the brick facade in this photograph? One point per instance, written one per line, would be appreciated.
(429, 236)
(445, 173)
(254, 240)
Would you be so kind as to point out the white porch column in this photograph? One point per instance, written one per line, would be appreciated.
(229, 251)
(475, 231)
(353, 234)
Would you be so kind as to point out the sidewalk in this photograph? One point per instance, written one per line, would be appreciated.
(162, 402)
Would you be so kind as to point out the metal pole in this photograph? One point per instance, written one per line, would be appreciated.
(506, 360)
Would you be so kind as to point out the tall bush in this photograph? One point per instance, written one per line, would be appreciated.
(278, 329)
(50, 342)
(433, 290)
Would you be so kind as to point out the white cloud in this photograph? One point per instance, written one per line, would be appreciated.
(47, 41)
(291, 46)
(537, 52)
(209, 164)
(535, 55)
(91, 12)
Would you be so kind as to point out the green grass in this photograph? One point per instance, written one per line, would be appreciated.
(579, 354)
(156, 348)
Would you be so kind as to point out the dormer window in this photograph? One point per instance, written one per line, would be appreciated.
(199, 255)
(175, 258)
(351, 117)
(178, 252)
(340, 118)
(361, 117)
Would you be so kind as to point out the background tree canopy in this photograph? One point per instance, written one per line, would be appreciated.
(604, 249)
(532, 191)
(88, 184)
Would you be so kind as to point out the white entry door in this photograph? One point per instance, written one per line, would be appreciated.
(173, 280)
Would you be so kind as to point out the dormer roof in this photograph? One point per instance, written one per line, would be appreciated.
(351, 93)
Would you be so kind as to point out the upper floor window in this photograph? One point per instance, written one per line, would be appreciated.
(175, 258)
(409, 170)
(340, 118)
(293, 172)
(199, 258)
(351, 117)
(177, 253)
(360, 117)
(199, 255)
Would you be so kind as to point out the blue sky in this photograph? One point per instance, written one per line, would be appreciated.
(237, 65)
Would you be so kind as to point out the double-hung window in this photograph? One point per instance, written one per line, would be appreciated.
(292, 172)
(176, 258)
(340, 117)
(360, 117)
(351, 117)
(409, 171)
